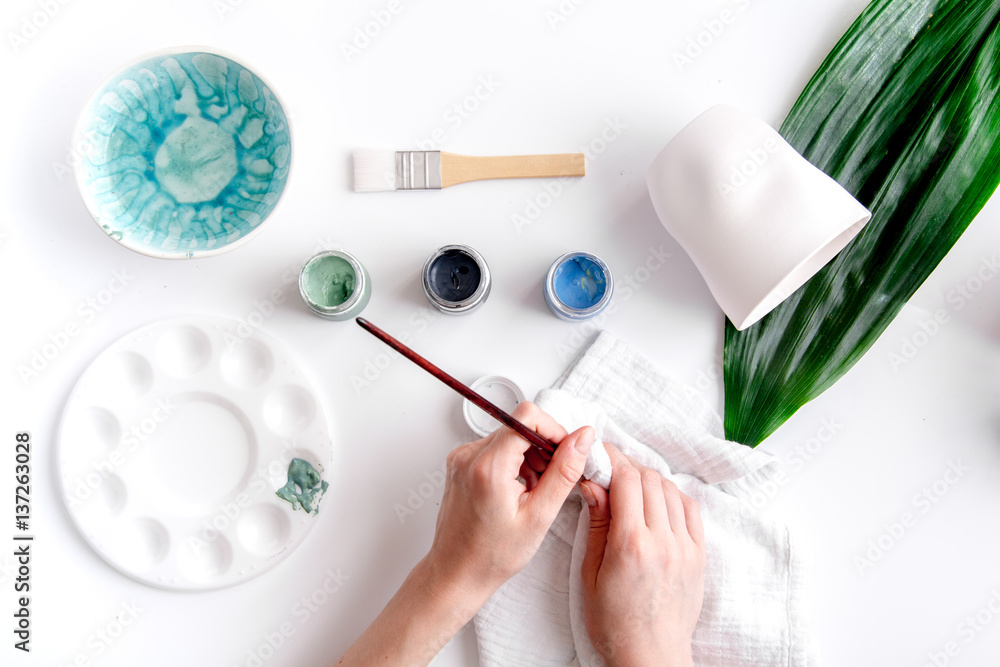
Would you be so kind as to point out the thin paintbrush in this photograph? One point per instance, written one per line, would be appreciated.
(377, 171)
(544, 447)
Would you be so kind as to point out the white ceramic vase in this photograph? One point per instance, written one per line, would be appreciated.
(757, 218)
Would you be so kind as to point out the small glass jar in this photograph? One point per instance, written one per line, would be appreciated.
(456, 279)
(578, 286)
(335, 285)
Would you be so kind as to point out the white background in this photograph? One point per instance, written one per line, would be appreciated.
(557, 85)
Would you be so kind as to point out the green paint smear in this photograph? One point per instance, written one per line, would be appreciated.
(304, 487)
(330, 281)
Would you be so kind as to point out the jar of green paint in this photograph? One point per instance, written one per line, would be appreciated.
(335, 285)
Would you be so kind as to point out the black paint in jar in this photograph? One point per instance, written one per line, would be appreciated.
(456, 279)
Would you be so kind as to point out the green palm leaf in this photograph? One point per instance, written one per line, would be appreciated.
(905, 114)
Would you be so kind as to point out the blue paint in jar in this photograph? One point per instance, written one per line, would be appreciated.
(578, 286)
(579, 282)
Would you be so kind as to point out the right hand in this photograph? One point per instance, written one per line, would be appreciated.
(490, 524)
(643, 573)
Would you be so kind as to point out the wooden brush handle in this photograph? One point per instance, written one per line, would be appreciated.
(457, 169)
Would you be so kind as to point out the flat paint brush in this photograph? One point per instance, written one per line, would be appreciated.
(545, 448)
(379, 171)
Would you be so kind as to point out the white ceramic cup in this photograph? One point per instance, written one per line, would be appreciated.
(757, 218)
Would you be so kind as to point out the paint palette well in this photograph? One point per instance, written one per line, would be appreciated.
(184, 154)
(175, 444)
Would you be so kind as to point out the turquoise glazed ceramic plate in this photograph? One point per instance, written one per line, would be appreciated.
(185, 155)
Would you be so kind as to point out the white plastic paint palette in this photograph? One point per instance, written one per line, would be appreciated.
(173, 444)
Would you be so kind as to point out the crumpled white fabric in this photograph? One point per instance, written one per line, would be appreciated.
(753, 577)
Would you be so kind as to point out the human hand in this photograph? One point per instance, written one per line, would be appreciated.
(490, 524)
(488, 528)
(643, 573)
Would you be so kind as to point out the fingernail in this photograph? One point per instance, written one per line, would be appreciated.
(584, 441)
(588, 495)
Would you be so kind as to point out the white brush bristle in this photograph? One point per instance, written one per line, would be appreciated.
(374, 171)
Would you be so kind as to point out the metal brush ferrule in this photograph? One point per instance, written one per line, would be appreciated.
(418, 170)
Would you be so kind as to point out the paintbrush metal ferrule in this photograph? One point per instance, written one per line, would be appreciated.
(418, 170)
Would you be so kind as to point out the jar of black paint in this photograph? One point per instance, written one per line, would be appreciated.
(456, 279)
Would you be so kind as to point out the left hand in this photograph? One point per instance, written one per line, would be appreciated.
(490, 524)
(643, 573)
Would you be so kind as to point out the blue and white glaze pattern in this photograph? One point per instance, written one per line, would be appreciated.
(185, 154)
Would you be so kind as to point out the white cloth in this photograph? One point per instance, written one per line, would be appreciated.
(753, 575)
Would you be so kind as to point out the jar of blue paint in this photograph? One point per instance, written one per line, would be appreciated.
(456, 279)
(578, 286)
